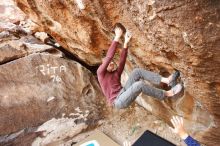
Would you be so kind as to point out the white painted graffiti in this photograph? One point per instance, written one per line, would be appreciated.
(52, 71)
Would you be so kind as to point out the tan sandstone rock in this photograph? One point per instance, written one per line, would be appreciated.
(39, 87)
(183, 35)
(9, 12)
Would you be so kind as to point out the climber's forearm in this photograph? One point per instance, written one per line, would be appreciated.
(125, 45)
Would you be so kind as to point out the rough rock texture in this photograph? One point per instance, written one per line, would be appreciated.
(15, 43)
(166, 35)
(38, 83)
(58, 130)
(7, 7)
(121, 125)
(40, 86)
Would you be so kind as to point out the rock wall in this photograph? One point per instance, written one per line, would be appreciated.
(167, 35)
(38, 83)
(7, 8)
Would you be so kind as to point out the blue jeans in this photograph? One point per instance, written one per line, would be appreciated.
(134, 86)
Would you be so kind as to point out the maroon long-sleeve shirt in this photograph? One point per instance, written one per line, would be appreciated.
(110, 82)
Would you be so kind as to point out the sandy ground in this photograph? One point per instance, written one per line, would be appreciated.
(130, 124)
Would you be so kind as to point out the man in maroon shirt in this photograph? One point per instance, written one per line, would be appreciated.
(109, 77)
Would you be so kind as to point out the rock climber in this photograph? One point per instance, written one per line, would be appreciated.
(179, 129)
(109, 75)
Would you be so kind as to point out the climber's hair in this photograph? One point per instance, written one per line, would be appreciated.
(119, 25)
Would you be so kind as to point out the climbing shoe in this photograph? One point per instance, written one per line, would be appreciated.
(174, 78)
(177, 88)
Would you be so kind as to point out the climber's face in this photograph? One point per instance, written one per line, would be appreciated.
(112, 66)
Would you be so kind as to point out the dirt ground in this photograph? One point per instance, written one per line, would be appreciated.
(130, 124)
